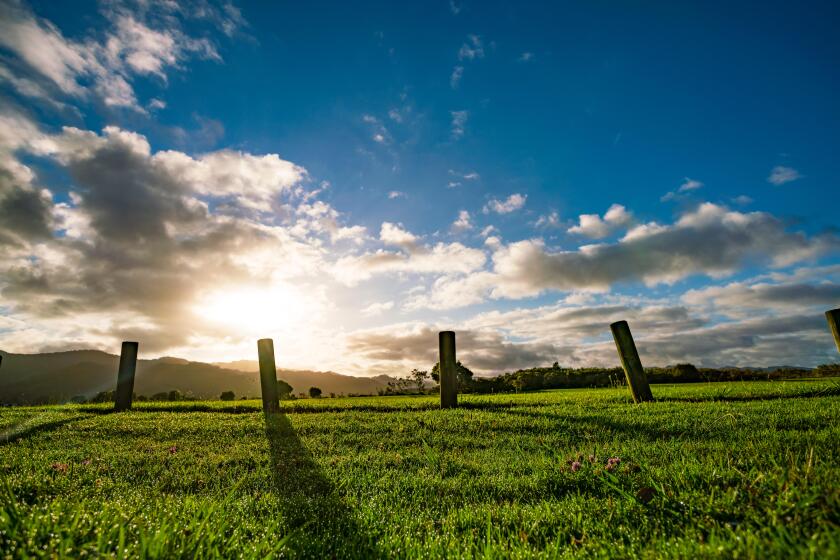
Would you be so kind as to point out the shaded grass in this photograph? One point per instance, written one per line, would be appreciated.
(741, 469)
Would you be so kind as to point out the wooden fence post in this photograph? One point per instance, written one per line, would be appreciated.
(268, 375)
(636, 378)
(833, 317)
(125, 376)
(448, 375)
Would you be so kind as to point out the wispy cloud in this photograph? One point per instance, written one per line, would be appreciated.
(455, 78)
(526, 57)
(459, 122)
(471, 49)
(780, 175)
(687, 185)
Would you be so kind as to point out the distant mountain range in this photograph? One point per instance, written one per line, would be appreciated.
(60, 376)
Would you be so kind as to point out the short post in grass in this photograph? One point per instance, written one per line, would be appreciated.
(448, 375)
(268, 375)
(636, 378)
(833, 317)
(125, 376)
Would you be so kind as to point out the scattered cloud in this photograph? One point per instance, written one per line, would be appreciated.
(594, 227)
(376, 309)
(510, 204)
(550, 220)
(781, 175)
(135, 42)
(471, 49)
(688, 185)
(526, 57)
(396, 194)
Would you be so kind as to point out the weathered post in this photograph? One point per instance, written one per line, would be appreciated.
(268, 375)
(125, 376)
(448, 375)
(833, 317)
(636, 378)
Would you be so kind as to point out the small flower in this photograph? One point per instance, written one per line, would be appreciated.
(575, 466)
(173, 449)
(60, 467)
(592, 458)
(87, 462)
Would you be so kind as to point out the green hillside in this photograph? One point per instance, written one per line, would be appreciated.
(59, 377)
(709, 470)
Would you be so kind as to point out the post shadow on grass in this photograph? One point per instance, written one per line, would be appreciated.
(6, 437)
(318, 523)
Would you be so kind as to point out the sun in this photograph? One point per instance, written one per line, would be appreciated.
(258, 310)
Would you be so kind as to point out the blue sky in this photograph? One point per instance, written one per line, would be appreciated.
(522, 173)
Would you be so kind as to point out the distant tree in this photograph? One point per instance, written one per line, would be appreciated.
(332, 395)
(162, 396)
(314, 392)
(283, 389)
(78, 399)
(227, 396)
(175, 395)
(463, 373)
(419, 377)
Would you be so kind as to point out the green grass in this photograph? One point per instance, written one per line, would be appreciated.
(744, 470)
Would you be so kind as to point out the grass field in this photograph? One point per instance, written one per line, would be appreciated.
(744, 470)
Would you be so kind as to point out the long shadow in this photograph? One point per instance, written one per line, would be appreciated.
(35, 429)
(320, 524)
(305, 409)
(809, 394)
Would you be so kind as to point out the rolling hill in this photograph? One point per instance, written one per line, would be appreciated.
(60, 376)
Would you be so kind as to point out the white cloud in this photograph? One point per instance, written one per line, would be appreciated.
(395, 194)
(106, 62)
(781, 175)
(687, 185)
(376, 309)
(463, 223)
(510, 204)
(594, 227)
(550, 220)
(395, 234)
(526, 57)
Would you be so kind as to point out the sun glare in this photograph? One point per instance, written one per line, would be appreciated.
(258, 310)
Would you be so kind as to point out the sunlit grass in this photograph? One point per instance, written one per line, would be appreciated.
(741, 469)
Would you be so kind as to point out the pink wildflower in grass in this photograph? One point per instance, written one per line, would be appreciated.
(173, 449)
(592, 458)
(575, 466)
(87, 462)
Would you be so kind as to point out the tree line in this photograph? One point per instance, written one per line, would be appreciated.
(558, 377)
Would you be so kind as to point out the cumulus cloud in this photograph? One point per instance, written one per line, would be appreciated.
(711, 240)
(144, 234)
(511, 204)
(595, 227)
(550, 220)
(463, 223)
